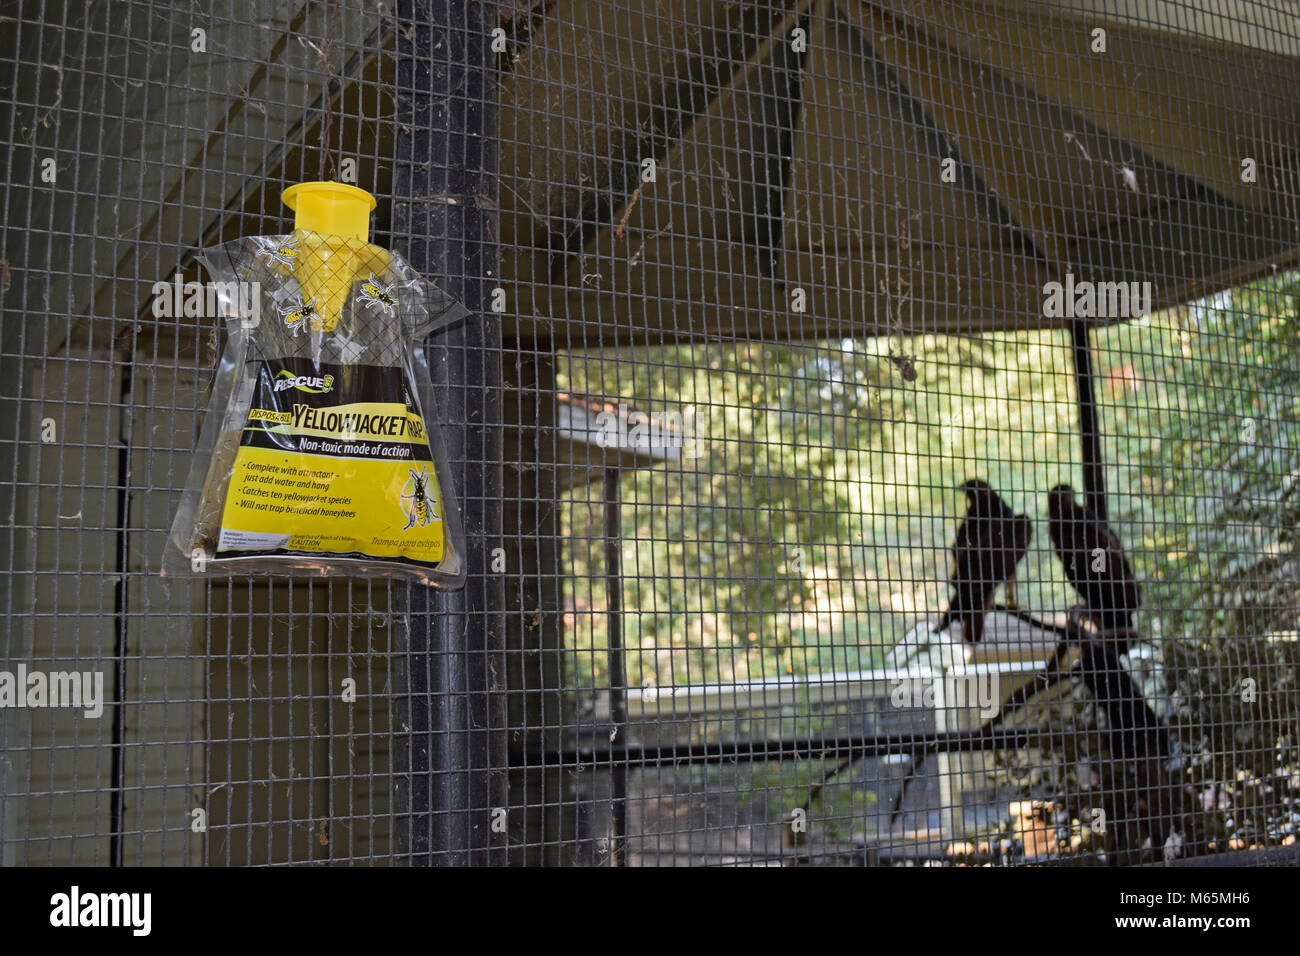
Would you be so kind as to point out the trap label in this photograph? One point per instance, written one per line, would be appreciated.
(333, 460)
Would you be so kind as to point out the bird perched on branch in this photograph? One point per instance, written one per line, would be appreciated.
(1096, 565)
(990, 542)
(1094, 561)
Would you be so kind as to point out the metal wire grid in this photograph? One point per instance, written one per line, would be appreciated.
(224, 739)
(658, 657)
(688, 539)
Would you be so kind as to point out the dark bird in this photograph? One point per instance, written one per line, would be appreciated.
(1096, 565)
(990, 542)
(1094, 562)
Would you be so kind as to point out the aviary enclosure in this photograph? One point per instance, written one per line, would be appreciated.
(788, 321)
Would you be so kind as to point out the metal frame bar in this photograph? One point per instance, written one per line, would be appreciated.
(617, 676)
(875, 745)
(445, 151)
(1094, 477)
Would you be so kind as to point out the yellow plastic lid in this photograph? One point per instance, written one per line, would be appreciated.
(331, 208)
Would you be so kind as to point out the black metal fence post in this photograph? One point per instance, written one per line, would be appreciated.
(444, 219)
(617, 672)
(1094, 477)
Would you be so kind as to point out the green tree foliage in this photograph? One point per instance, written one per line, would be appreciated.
(813, 532)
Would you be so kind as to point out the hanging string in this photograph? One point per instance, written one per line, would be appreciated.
(327, 122)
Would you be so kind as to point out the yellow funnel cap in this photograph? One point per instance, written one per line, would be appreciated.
(331, 209)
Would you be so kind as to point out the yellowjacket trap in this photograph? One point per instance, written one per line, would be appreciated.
(317, 454)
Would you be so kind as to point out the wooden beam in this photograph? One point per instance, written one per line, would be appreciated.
(1151, 88)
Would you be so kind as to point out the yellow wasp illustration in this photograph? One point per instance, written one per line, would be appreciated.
(298, 315)
(375, 294)
(284, 253)
(421, 512)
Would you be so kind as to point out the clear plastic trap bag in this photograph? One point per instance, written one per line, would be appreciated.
(319, 452)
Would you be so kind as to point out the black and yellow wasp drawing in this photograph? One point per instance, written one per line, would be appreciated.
(299, 314)
(377, 295)
(283, 253)
(416, 504)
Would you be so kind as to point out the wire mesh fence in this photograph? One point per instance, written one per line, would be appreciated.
(876, 434)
